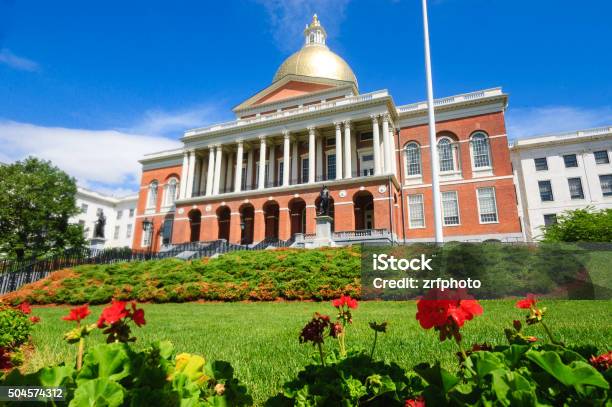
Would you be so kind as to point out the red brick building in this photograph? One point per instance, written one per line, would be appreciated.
(311, 127)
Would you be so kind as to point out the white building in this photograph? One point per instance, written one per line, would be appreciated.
(560, 172)
(120, 214)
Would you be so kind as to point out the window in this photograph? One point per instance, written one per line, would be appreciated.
(366, 136)
(450, 208)
(128, 231)
(330, 142)
(575, 188)
(82, 224)
(304, 169)
(146, 237)
(416, 213)
(367, 165)
(550, 219)
(541, 164)
(84, 208)
(116, 234)
(602, 157)
(486, 205)
(546, 193)
(570, 160)
(480, 150)
(606, 184)
(167, 231)
(445, 150)
(281, 172)
(131, 212)
(171, 193)
(331, 166)
(413, 159)
(119, 214)
(152, 201)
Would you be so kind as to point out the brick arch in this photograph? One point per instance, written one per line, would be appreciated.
(363, 207)
(247, 218)
(271, 212)
(224, 215)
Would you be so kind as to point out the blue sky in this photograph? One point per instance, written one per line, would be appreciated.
(95, 85)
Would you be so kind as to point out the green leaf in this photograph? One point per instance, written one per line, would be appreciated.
(576, 374)
(55, 376)
(101, 392)
(105, 361)
(436, 376)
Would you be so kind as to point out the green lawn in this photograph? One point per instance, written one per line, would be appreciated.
(260, 339)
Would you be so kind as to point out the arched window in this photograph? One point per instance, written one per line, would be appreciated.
(171, 192)
(413, 159)
(152, 201)
(445, 151)
(481, 153)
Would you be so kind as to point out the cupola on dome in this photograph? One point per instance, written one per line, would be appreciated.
(315, 59)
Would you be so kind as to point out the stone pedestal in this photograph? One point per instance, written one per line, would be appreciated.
(323, 231)
(97, 243)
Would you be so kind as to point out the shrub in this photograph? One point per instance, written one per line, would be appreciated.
(15, 328)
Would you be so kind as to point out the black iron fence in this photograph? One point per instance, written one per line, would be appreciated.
(14, 274)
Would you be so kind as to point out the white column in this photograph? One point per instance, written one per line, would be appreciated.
(338, 150)
(249, 171)
(217, 176)
(376, 144)
(347, 150)
(210, 176)
(294, 160)
(272, 165)
(262, 163)
(230, 168)
(196, 176)
(190, 174)
(393, 150)
(386, 143)
(184, 172)
(311, 154)
(354, 155)
(239, 157)
(319, 167)
(286, 148)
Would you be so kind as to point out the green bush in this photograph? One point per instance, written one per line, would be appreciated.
(265, 275)
(15, 328)
(115, 375)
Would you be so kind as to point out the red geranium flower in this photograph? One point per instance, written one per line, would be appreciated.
(527, 303)
(138, 315)
(77, 313)
(437, 308)
(417, 402)
(602, 362)
(34, 319)
(113, 313)
(345, 300)
(24, 307)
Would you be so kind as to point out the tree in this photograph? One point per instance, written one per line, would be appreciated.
(37, 200)
(581, 225)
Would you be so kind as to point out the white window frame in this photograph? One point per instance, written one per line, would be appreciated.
(117, 232)
(494, 205)
(406, 164)
(147, 236)
(152, 203)
(128, 230)
(167, 202)
(303, 159)
(327, 154)
(410, 224)
(458, 208)
(454, 155)
(360, 153)
(569, 187)
(370, 133)
(489, 155)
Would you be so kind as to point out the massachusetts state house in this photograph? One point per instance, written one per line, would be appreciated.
(259, 176)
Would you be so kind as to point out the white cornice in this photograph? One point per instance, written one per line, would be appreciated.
(562, 138)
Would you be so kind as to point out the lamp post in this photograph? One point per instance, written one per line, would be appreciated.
(146, 226)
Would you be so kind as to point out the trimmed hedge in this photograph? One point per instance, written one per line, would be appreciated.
(290, 274)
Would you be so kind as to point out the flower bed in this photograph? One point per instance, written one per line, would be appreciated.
(289, 274)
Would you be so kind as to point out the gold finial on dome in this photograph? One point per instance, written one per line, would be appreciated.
(315, 59)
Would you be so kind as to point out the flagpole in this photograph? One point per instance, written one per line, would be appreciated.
(435, 165)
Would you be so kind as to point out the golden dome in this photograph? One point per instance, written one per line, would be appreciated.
(315, 59)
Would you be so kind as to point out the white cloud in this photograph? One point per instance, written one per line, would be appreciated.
(107, 158)
(161, 122)
(17, 62)
(531, 121)
(289, 17)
